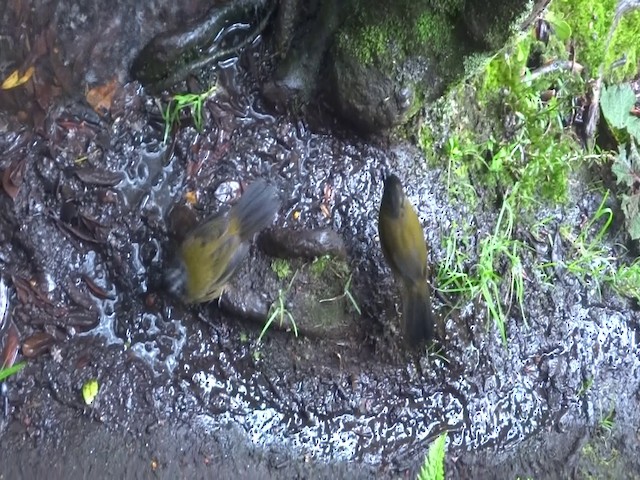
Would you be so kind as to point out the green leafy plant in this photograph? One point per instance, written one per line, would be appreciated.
(279, 312)
(610, 38)
(452, 276)
(484, 278)
(626, 281)
(561, 28)
(617, 102)
(607, 422)
(590, 258)
(346, 293)
(282, 268)
(498, 246)
(584, 388)
(433, 466)
(184, 101)
(626, 168)
(7, 372)
(320, 265)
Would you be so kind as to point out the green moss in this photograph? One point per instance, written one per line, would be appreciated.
(590, 22)
(600, 460)
(433, 28)
(518, 146)
(426, 143)
(389, 31)
(319, 265)
(282, 268)
(369, 43)
(625, 45)
(502, 144)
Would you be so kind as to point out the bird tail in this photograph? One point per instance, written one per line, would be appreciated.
(417, 314)
(255, 209)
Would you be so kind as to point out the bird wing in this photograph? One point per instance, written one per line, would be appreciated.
(410, 260)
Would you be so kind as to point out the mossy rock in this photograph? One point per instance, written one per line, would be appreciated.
(309, 294)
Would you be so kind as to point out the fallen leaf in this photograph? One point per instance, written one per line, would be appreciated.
(15, 79)
(97, 176)
(12, 178)
(100, 97)
(11, 345)
(191, 197)
(37, 344)
(325, 210)
(97, 290)
(90, 391)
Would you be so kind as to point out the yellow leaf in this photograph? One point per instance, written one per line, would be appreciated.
(90, 391)
(11, 81)
(15, 79)
(191, 197)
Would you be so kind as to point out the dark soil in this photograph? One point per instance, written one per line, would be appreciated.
(186, 391)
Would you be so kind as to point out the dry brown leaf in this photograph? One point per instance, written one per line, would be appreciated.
(100, 97)
(325, 210)
(12, 178)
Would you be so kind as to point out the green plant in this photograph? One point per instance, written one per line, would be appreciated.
(607, 422)
(433, 466)
(278, 311)
(320, 264)
(458, 150)
(617, 102)
(599, 44)
(584, 388)
(183, 101)
(590, 260)
(7, 372)
(346, 293)
(500, 246)
(452, 276)
(282, 268)
(436, 351)
(520, 150)
(627, 171)
(484, 278)
(626, 280)
(589, 257)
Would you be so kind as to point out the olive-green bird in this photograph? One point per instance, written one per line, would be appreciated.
(405, 250)
(213, 251)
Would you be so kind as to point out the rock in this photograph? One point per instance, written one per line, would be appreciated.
(246, 303)
(296, 77)
(312, 295)
(364, 96)
(307, 243)
(492, 26)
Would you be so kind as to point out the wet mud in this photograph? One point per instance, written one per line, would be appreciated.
(85, 239)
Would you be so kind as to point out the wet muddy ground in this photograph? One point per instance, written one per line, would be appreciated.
(186, 391)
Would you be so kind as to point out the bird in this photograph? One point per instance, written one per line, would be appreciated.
(405, 250)
(212, 252)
